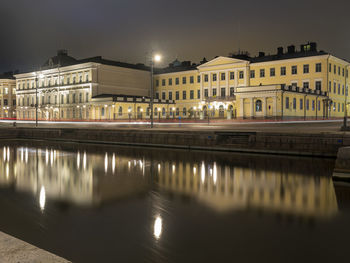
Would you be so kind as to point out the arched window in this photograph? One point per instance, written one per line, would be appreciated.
(120, 111)
(221, 111)
(102, 111)
(184, 111)
(258, 106)
(163, 112)
(177, 111)
(155, 111)
(147, 111)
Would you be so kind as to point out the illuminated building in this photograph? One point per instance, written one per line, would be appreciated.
(7, 96)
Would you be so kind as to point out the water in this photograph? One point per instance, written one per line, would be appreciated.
(90, 203)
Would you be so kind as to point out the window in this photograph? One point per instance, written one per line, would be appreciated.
(258, 106)
(330, 68)
(318, 67)
(55, 100)
(313, 105)
(170, 82)
(62, 99)
(73, 98)
(232, 91)
(206, 94)
(342, 90)
(67, 99)
(163, 95)
(318, 85)
(199, 79)
(319, 105)
(338, 107)
(157, 95)
(155, 112)
(102, 111)
(163, 112)
(74, 79)
(301, 104)
(338, 74)
(80, 78)
(306, 69)
(214, 77)
(177, 96)
(330, 86)
(198, 94)
(170, 95)
(305, 85)
(184, 95)
(335, 69)
(191, 94)
(334, 88)
(87, 96)
(287, 102)
(87, 78)
(80, 97)
(184, 111)
(205, 78)
(184, 80)
(342, 107)
(232, 75)
(223, 92)
(163, 82)
(272, 72)
(177, 111)
(214, 92)
(148, 111)
(120, 111)
(294, 70)
(283, 71)
(241, 74)
(223, 76)
(252, 74)
(307, 104)
(294, 103)
(338, 89)
(5, 102)
(191, 79)
(262, 73)
(177, 81)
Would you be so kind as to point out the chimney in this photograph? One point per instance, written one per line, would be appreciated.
(313, 46)
(280, 51)
(261, 54)
(291, 49)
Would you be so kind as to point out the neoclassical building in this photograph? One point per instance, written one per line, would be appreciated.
(303, 83)
(7, 96)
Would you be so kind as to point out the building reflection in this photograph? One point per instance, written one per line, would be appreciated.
(226, 188)
(84, 177)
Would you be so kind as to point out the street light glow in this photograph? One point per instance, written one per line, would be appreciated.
(157, 58)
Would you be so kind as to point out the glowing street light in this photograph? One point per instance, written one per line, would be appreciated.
(155, 58)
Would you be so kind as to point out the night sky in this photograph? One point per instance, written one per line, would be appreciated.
(126, 30)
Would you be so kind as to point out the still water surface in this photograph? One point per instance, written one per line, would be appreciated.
(114, 204)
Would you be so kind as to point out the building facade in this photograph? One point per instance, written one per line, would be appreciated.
(296, 84)
(304, 83)
(7, 96)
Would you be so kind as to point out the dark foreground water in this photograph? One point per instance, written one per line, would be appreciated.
(112, 204)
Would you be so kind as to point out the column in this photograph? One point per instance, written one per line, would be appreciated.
(241, 108)
(264, 107)
(245, 77)
(251, 107)
(275, 106)
(236, 78)
(202, 87)
(227, 83)
(209, 84)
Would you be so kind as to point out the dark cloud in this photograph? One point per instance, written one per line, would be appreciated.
(127, 30)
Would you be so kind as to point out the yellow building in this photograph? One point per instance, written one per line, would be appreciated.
(7, 96)
(294, 84)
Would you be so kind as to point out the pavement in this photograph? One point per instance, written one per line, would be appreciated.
(13, 250)
(312, 126)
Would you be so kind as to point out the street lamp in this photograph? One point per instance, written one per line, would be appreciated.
(37, 77)
(154, 58)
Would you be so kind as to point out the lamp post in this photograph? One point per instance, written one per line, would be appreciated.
(154, 58)
(36, 96)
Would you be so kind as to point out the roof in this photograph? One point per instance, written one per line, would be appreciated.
(299, 54)
(62, 59)
(7, 75)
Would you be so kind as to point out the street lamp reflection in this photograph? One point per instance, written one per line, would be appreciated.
(42, 198)
(157, 227)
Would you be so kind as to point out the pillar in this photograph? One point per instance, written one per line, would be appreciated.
(251, 107)
(264, 107)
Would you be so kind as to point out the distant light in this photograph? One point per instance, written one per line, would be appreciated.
(157, 58)
(41, 76)
(157, 227)
(42, 198)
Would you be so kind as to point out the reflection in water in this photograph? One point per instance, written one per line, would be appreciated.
(157, 227)
(42, 198)
(221, 185)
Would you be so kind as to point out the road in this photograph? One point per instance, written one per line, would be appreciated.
(323, 126)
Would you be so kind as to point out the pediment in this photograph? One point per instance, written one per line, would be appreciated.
(221, 61)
